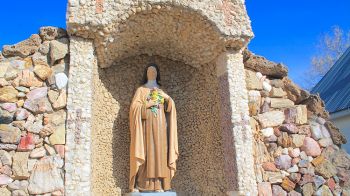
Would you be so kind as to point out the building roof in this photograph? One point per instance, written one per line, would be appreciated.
(334, 87)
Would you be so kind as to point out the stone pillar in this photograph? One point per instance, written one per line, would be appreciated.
(79, 110)
(236, 131)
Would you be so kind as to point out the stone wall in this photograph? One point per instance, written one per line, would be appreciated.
(33, 95)
(200, 166)
(296, 146)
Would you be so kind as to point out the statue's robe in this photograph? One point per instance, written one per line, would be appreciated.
(154, 144)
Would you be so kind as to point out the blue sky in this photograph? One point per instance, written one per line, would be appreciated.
(285, 31)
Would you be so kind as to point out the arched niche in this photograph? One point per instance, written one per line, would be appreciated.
(200, 68)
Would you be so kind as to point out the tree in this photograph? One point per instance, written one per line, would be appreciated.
(330, 47)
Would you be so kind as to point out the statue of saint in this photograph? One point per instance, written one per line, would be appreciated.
(153, 128)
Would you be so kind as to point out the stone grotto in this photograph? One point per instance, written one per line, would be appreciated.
(249, 130)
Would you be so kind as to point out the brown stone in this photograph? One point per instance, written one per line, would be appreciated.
(8, 94)
(337, 137)
(287, 184)
(326, 169)
(269, 166)
(315, 105)
(284, 140)
(294, 93)
(318, 160)
(277, 92)
(42, 71)
(23, 48)
(9, 134)
(261, 64)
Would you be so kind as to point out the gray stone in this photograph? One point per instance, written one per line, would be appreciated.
(8, 147)
(18, 185)
(58, 49)
(19, 193)
(283, 162)
(5, 117)
(5, 158)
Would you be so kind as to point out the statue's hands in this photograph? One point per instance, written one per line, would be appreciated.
(151, 103)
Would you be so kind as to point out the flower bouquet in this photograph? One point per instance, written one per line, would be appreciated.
(155, 96)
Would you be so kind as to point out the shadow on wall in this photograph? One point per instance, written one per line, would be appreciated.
(201, 161)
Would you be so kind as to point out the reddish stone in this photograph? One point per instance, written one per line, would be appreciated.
(264, 189)
(26, 143)
(311, 147)
(287, 184)
(278, 191)
(295, 160)
(277, 132)
(60, 149)
(290, 128)
(269, 166)
(306, 179)
(331, 184)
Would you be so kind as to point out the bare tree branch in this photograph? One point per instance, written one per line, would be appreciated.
(330, 48)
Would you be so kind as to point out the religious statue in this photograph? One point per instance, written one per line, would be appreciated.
(153, 128)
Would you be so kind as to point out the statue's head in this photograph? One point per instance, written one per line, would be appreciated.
(151, 73)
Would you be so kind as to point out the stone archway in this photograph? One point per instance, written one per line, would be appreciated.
(199, 61)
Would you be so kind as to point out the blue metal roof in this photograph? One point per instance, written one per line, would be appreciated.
(334, 87)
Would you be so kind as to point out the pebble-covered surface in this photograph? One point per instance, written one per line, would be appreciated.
(33, 81)
(296, 146)
(125, 28)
